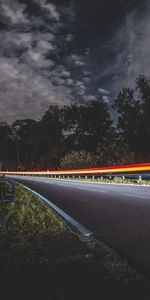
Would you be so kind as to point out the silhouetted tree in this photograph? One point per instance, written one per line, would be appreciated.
(24, 135)
(87, 125)
(50, 138)
(133, 107)
(143, 88)
(6, 145)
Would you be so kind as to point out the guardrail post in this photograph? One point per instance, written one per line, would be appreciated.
(123, 177)
(140, 178)
(93, 177)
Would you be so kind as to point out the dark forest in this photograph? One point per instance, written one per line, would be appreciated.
(82, 135)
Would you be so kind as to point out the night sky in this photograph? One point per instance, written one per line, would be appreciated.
(63, 52)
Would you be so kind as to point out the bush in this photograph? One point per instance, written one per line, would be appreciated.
(78, 159)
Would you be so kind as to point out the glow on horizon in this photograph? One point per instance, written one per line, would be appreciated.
(103, 170)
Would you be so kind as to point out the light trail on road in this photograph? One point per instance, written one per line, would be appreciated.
(103, 170)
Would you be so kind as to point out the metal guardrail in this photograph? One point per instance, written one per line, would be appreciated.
(107, 172)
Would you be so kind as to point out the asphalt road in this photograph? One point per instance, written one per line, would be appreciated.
(118, 214)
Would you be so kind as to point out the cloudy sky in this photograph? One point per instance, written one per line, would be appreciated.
(66, 51)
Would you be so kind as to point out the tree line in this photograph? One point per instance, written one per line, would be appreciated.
(81, 135)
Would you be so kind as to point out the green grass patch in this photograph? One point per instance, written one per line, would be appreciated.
(34, 234)
(29, 214)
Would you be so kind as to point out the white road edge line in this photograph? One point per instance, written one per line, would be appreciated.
(91, 182)
(92, 190)
(83, 230)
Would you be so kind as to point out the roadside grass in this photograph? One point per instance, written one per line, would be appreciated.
(33, 233)
(42, 259)
(3, 215)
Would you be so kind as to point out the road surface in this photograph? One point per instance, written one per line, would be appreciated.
(118, 214)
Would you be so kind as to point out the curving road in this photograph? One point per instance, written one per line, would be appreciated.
(118, 214)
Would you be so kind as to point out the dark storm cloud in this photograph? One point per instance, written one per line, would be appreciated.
(125, 54)
(63, 51)
(28, 55)
(117, 35)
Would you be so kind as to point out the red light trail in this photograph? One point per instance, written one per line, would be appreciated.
(103, 170)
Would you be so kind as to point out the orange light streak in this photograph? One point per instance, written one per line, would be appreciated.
(103, 170)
